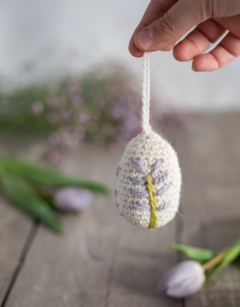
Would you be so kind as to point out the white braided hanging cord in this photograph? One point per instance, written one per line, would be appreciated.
(146, 93)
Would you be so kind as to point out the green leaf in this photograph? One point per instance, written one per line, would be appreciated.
(195, 253)
(25, 198)
(43, 176)
(236, 243)
(231, 255)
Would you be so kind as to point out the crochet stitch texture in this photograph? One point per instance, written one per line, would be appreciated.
(148, 181)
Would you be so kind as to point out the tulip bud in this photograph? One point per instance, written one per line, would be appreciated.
(182, 280)
(73, 199)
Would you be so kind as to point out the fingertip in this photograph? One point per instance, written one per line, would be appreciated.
(133, 49)
(194, 68)
(204, 62)
(197, 65)
(184, 51)
(178, 52)
(136, 53)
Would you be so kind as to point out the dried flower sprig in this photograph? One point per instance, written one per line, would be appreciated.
(101, 106)
(42, 192)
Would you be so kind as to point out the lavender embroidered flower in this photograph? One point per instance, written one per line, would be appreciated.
(136, 164)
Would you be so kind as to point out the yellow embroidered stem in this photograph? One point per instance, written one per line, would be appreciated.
(152, 201)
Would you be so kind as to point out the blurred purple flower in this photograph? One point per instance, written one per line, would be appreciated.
(74, 86)
(70, 140)
(100, 102)
(53, 101)
(56, 158)
(73, 199)
(37, 108)
(66, 115)
(119, 111)
(183, 279)
(54, 139)
(83, 117)
(79, 134)
(76, 101)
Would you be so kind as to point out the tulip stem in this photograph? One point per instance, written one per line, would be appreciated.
(216, 260)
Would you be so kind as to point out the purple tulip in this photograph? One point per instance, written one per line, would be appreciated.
(73, 199)
(182, 280)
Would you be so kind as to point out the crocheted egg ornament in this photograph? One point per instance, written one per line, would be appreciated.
(148, 177)
(148, 181)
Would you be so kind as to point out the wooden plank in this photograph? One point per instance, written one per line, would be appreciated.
(142, 258)
(210, 161)
(101, 260)
(15, 228)
(74, 269)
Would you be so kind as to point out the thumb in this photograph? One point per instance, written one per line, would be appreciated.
(165, 31)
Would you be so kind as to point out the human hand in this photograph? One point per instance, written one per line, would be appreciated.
(166, 21)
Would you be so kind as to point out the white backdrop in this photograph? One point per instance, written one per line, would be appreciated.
(42, 39)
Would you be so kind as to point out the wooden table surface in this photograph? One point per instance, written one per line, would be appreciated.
(102, 260)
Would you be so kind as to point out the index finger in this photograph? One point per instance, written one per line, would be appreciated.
(155, 10)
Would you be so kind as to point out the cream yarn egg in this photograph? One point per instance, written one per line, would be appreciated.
(148, 181)
(148, 176)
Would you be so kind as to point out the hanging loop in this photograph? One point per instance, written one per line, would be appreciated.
(146, 93)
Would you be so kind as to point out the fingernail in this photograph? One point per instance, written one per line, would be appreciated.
(145, 39)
